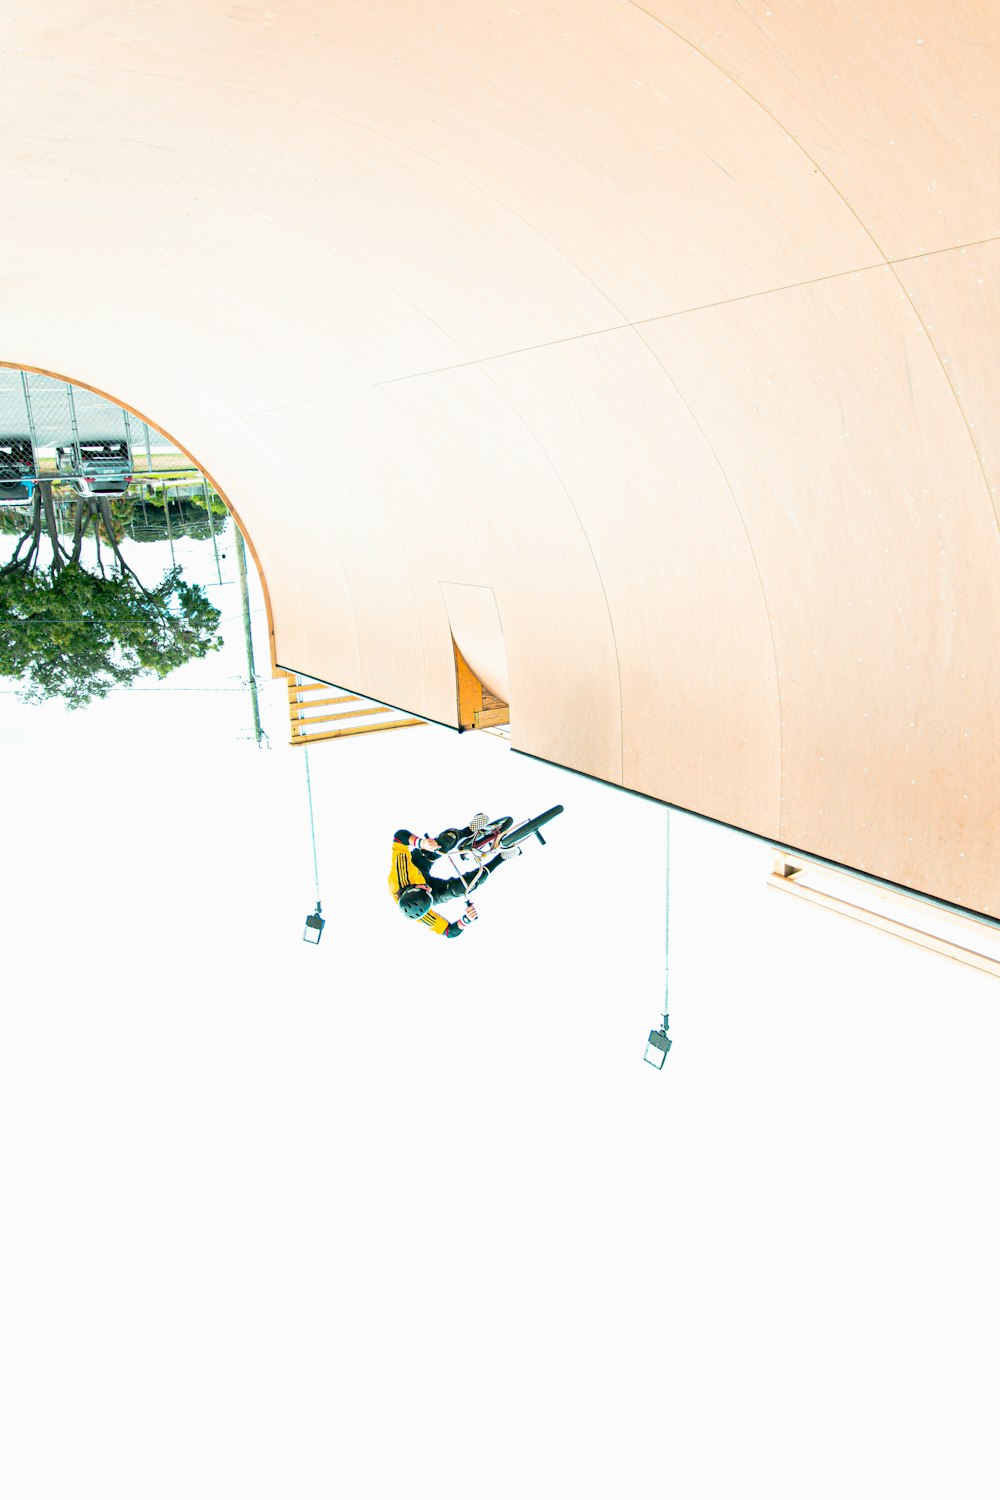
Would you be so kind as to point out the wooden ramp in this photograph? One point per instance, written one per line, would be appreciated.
(665, 333)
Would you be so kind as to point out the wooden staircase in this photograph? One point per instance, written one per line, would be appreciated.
(305, 696)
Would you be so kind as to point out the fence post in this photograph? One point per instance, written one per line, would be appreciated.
(166, 512)
(241, 559)
(32, 432)
(211, 526)
(128, 438)
(77, 450)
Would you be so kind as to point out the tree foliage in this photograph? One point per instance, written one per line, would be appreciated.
(73, 633)
(190, 495)
(148, 522)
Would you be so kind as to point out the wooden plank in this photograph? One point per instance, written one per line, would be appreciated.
(793, 866)
(489, 718)
(323, 702)
(469, 690)
(354, 713)
(336, 734)
(309, 687)
(890, 925)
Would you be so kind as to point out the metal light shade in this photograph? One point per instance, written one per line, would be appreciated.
(314, 927)
(657, 1048)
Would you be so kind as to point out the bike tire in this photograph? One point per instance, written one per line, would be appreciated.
(525, 830)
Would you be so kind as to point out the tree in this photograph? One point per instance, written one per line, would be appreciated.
(71, 633)
(147, 521)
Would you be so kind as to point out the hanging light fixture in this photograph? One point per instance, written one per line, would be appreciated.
(659, 1043)
(314, 923)
(658, 1046)
(314, 926)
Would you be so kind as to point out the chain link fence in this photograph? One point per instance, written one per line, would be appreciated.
(51, 419)
(84, 443)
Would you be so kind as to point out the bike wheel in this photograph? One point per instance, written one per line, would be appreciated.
(485, 836)
(525, 830)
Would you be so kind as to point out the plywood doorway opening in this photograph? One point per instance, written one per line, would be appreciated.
(478, 708)
(481, 659)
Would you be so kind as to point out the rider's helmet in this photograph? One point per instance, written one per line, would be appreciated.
(414, 901)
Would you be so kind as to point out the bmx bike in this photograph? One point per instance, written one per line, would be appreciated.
(499, 836)
(504, 833)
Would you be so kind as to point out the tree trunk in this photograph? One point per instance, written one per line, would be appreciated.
(104, 506)
(32, 533)
(59, 556)
(81, 516)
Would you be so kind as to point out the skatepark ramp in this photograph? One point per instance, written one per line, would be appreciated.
(668, 331)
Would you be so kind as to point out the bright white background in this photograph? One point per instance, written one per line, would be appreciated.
(400, 1216)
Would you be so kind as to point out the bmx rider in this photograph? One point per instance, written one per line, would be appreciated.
(416, 890)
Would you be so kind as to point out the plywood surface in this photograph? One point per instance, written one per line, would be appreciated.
(674, 328)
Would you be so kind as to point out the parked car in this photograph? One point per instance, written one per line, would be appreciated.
(15, 491)
(17, 469)
(17, 457)
(96, 466)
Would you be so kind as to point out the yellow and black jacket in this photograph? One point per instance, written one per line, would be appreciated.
(412, 866)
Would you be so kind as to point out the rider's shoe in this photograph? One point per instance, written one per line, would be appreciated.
(478, 823)
(511, 853)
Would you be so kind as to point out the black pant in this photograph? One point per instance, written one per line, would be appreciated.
(449, 890)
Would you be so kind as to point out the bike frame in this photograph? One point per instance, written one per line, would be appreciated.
(502, 838)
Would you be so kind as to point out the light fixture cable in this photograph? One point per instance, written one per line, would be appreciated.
(312, 824)
(666, 930)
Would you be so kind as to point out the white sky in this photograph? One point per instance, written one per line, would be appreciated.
(398, 1216)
